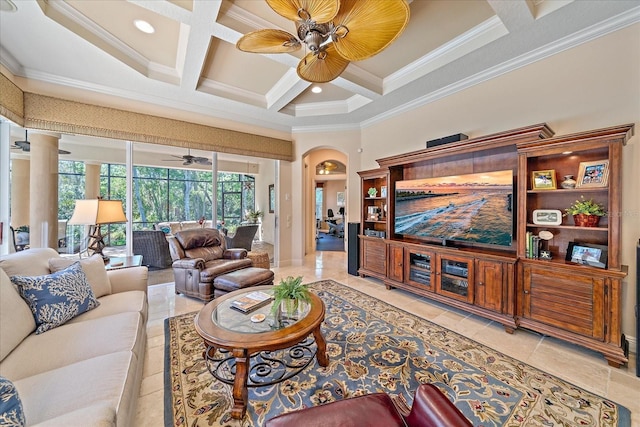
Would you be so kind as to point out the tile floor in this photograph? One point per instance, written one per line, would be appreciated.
(580, 366)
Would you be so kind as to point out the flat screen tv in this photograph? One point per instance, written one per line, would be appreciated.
(475, 208)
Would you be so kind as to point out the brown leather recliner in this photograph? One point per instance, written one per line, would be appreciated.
(199, 256)
(430, 408)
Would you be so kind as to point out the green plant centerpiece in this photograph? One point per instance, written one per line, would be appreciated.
(289, 293)
(254, 215)
(586, 213)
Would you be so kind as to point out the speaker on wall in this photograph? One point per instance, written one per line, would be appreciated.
(353, 248)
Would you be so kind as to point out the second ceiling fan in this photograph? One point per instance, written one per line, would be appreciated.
(26, 145)
(188, 159)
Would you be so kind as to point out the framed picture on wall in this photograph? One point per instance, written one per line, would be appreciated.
(383, 191)
(340, 200)
(272, 198)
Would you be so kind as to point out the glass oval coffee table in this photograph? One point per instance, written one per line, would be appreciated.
(245, 353)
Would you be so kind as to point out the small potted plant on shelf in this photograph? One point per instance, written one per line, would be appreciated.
(586, 213)
(254, 215)
(372, 192)
(288, 296)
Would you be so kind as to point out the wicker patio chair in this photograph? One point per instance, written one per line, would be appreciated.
(243, 238)
(154, 248)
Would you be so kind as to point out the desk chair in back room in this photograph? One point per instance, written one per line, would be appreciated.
(330, 216)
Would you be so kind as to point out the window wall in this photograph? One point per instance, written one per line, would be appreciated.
(159, 195)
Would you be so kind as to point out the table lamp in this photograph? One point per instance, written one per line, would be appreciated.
(95, 213)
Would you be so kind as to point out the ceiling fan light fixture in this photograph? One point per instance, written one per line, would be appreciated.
(335, 31)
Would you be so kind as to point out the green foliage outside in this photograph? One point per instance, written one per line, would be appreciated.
(159, 194)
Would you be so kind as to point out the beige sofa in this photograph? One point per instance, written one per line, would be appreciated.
(86, 372)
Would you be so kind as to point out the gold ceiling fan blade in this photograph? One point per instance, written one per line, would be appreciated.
(320, 11)
(365, 28)
(268, 41)
(322, 67)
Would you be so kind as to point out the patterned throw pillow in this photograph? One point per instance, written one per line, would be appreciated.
(56, 298)
(166, 229)
(11, 412)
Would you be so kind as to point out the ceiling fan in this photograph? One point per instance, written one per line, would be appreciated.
(188, 159)
(26, 145)
(326, 167)
(335, 31)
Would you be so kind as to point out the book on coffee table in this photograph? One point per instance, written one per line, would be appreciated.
(251, 301)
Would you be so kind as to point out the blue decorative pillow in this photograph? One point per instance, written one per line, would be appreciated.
(166, 229)
(11, 412)
(56, 298)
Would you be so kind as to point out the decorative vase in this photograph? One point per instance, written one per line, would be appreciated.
(293, 309)
(568, 182)
(584, 220)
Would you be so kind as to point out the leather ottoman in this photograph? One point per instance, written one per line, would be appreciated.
(240, 279)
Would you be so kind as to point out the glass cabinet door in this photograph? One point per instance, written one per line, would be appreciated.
(455, 278)
(419, 266)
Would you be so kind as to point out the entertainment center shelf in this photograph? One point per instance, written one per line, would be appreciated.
(473, 268)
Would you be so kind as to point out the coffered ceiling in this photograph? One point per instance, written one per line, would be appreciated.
(91, 48)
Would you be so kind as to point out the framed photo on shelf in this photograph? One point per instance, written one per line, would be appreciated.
(383, 191)
(593, 174)
(587, 254)
(543, 180)
(547, 217)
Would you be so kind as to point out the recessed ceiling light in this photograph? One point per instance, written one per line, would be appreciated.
(316, 89)
(144, 26)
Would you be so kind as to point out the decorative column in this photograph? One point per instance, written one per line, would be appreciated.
(20, 192)
(43, 209)
(92, 180)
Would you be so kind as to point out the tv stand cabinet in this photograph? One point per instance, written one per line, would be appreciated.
(577, 303)
(477, 282)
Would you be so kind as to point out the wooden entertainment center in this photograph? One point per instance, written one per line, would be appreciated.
(575, 302)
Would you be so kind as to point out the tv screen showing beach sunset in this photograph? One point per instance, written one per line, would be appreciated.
(471, 208)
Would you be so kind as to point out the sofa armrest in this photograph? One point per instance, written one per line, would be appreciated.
(432, 408)
(197, 263)
(128, 279)
(235, 253)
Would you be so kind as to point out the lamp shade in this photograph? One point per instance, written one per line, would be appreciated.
(97, 211)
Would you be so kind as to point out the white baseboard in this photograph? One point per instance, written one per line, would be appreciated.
(632, 343)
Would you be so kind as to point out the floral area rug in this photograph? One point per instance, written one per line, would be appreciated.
(375, 347)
